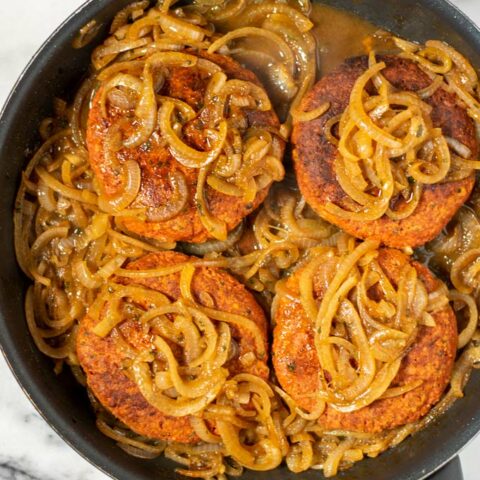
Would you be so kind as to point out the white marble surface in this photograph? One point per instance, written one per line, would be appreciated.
(29, 449)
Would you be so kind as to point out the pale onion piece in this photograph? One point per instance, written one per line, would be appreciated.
(368, 214)
(60, 352)
(459, 267)
(239, 321)
(198, 387)
(86, 34)
(303, 44)
(472, 103)
(122, 17)
(125, 80)
(323, 322)
(175, 203)
(180, 28)
(271, 458)
(440, 62)
(187, 112)
(132, 67)
(162, 45)
(172, 59)
(405, 45)
(215, 85)
(242, 87)
(300, 457)
(397, 391)
(111, 267)
(192, 344)
(275, 169)
(380, 82)
(411, 205)
(367, 368)
(224, 187)
(216, 227)
(305, 286)
(98, 226)
(79, 104)
(283, 81)
(302, 116)
(256, 12)
(215, 246)
(84, 275)
(66, 173)
(359, 115)
(111, 318)
(331, 464)
(328, 129)
(151, 273)
(134, 242)
(226, 10)
(459, 148)
(427, 92)
(209, 66)
(176, 408)
(141, 29)
(377, 388)
(165, 5)
(281, 44)
(458, 59)
(442, 166)
(466, 164)
(202, 431)
(130, 188)
(183, 153)
(46, 197)
(138, 294)
(427, 320)
(104, 54)
(46, 237)
(146, 111)
(345, 179)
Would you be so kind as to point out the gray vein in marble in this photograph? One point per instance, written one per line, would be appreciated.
(12, 470)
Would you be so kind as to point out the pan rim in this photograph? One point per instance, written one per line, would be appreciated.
(444, 8)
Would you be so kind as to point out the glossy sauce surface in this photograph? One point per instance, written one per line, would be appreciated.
(339, 35)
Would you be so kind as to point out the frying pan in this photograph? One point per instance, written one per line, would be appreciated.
(56, 70)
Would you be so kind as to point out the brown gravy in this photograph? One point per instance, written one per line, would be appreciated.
(339, 35)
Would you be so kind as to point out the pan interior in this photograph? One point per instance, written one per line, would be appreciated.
(56, 71)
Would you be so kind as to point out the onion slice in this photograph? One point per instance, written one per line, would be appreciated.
(183, 153)
(175, 204)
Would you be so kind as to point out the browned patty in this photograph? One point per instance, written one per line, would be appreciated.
(430, 359)
(314, 155)
(103, 361)
(156, 162)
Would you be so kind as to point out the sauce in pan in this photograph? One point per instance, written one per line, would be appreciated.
(339, 35)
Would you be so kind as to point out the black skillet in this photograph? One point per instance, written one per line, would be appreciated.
(55, 71)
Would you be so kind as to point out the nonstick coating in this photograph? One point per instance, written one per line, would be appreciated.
(56, 70)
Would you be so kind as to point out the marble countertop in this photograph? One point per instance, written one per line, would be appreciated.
(29, 448)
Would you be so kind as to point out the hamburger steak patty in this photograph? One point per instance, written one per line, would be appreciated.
(314, 155)
(156, 161)
(430, 359)
(103, 361)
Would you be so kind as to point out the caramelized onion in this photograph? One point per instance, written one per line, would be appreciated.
(130, 189)
(182, 152)
(176, 202)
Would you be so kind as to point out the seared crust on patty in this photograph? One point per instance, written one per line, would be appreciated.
(103, 362)
(314, 156)
(156, 162)
(430, 359)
